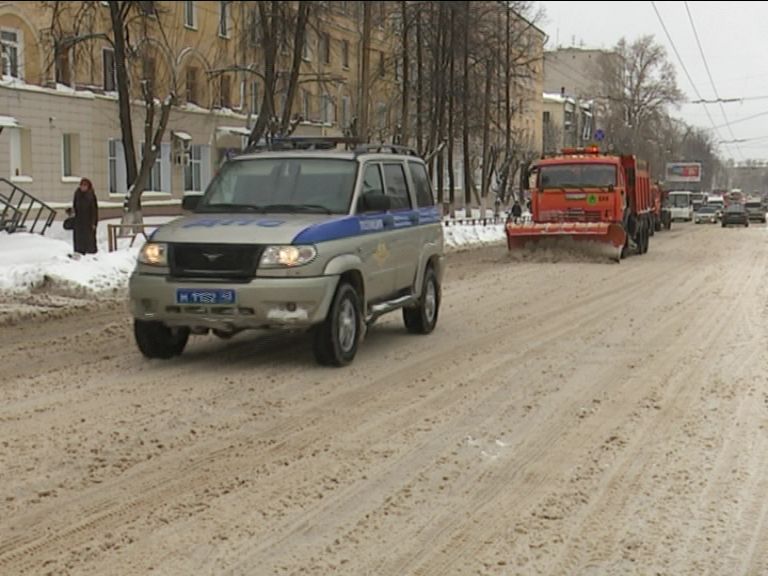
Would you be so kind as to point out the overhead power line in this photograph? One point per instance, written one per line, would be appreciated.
(687, 74)
(709, 74)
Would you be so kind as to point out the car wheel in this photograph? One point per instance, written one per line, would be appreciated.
(336, 340)
(156, 340)
(422, 318)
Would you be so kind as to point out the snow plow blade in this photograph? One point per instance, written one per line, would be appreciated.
(527, 235)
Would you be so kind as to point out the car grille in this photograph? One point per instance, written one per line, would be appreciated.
(214, 261)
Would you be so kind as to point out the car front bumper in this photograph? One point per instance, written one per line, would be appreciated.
(260, 303)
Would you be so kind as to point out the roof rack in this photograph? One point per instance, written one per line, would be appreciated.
(302, 143)
(328, 143)
(384, 149)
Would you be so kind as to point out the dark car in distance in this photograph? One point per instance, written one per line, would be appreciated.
(735, 214)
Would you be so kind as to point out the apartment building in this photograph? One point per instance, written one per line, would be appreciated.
(59, 114)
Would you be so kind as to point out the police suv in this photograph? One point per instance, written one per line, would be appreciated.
(298, 235)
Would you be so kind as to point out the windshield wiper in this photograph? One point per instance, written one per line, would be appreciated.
(229, 208)
(296, 208)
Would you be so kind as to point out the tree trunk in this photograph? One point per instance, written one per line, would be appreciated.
(435, 85)
(298, 47)
(507, 108)
(486, 130)
(440, 104)
(124, 105)
(451, 99)
(405, 116)
(365, 73)
(419, 82)
(270, 26)
(465, 113)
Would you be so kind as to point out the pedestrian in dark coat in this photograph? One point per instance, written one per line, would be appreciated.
(517, 211)
(86, 209)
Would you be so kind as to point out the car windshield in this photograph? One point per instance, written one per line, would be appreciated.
(735, 208)
(282, 185)
(577, 175)
(707, 210)
(680, 200)
(754, 205)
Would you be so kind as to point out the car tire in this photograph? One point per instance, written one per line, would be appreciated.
(336, 340)
(422, 318)
(156, 340)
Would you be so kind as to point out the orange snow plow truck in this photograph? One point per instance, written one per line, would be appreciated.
(587, 196)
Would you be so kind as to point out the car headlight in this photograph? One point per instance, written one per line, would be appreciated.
(154, 254)
(287, 256)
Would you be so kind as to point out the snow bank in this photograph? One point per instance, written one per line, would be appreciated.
(466, 235)
(34, 263)
(29, 262)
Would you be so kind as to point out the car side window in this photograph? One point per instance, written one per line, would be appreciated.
(420, 180)
(397, 186)
(372, 182)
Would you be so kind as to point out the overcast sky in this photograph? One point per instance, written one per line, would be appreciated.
(734, 38)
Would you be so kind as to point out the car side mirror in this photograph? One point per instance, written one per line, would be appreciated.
(374, 202)
(190, 202)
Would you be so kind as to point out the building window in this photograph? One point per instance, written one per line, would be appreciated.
(63, 73)
(381, 114)
(70, 155)
(346, 107)
(547, 117)
(12, 53)
(345, 53)
(192, 95)
(325, 48)
(193, 170)
(190, 15)
(109, 70)
(382, 66)
(326, 110)
(306, 52)
(112, 156)
(148, 73)
(225, 100)
(254, 27)
(155, 183)
(224, 19)
(255, 101)
(21, 153)
(148, 7)
(306, 109)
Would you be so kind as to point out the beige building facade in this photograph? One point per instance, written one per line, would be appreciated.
(58, 99)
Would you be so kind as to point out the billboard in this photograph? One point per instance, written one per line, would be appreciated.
(683, 172)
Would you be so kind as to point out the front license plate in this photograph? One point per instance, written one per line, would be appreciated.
(207, 296)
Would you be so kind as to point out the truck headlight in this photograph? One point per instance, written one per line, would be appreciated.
(154, 254)
(287, 256)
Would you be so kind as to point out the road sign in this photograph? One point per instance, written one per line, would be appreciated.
(599, 135)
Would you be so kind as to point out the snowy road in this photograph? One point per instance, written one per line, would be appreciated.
(565, 418)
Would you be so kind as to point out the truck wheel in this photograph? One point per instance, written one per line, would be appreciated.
(336, 340)
(156, 340)
(422, 318)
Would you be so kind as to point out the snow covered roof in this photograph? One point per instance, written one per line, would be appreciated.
(238, 130)
(557, 97)
(182, 136)
(9, 122)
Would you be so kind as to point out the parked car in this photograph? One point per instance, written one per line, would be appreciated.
(735, 214)
(706, 215)
(296, 237)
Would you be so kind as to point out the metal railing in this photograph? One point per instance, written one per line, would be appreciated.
(19, 208)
